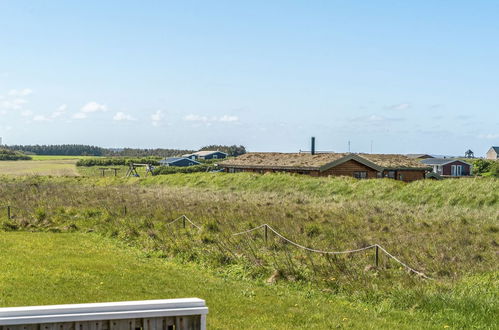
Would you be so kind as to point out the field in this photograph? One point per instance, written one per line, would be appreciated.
(58, 166)
(45, 166)
(446, 229)
(50, 157)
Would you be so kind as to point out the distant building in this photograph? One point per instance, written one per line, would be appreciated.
(206, 154)
(178, 161)
(493, 153)
(360, 166)
(419, 156)
(449, 166)
(469, 154)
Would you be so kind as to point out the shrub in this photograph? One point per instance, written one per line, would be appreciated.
(116, 161)
(177, 169)
(12, 155)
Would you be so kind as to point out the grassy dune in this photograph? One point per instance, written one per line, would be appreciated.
(447, 229)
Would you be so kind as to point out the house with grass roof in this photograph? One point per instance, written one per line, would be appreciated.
(360, 166)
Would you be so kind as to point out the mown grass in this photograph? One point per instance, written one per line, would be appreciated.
(48, 268)
(448, 236)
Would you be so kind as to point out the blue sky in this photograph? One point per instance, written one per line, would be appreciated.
(410, 77)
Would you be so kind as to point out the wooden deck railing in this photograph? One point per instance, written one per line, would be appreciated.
(177, 314)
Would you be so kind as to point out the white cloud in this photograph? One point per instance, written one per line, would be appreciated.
(27, 113)
(228, 119)
(157, 118)
(401, 106)
(192, 117)
(13, 104)
(61, 110)
(121, 116)
(93, 107)
(40, 118)
(80, 115)
(20, 92)
(489, 136)
(209, 120)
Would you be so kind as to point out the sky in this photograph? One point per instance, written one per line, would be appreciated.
(388, 76)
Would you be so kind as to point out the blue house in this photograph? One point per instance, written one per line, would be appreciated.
(206, 154)
(178, 161)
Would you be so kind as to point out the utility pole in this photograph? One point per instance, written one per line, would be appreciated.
(348, 145)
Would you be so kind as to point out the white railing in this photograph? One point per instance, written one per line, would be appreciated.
(178, 314)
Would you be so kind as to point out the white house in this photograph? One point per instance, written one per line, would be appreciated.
(493, 153)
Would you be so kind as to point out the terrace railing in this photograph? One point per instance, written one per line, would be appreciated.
(178, 314)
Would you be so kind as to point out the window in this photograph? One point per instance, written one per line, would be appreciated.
(379, 175)
(215, 156)
(401, 177)
(391, 174)
(360, 175)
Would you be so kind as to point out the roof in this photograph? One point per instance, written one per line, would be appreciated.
(176, 159)
(206, 153)
(496, 149)
(394, 161)
(419, 156)
(442, 161)
(321, 161)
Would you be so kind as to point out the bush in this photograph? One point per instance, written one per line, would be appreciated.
(177, 169)
(12, 155)
(116, 161)
(485, 167)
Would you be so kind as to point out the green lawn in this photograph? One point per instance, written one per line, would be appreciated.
(49, 268)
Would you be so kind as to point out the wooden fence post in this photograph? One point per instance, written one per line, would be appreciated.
(8, 212)
(183, 221)
(376, 256)
(266, 235)
(124, 210)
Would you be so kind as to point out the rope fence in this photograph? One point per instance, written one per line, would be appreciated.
(184, 218)
(8, 209)
(268, 228)
(376, 246)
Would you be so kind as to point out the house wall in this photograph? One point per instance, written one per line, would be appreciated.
(218, 154)
(183, 163)
(270, 170)
(345, 169)
(349, 168)
(491, 154)
(447, 169)
(407, 175)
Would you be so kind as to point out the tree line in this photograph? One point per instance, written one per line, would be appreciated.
(87, 150)
(59, 149)
(232, 151)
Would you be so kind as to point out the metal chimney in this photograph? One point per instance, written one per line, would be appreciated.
(312, 150)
